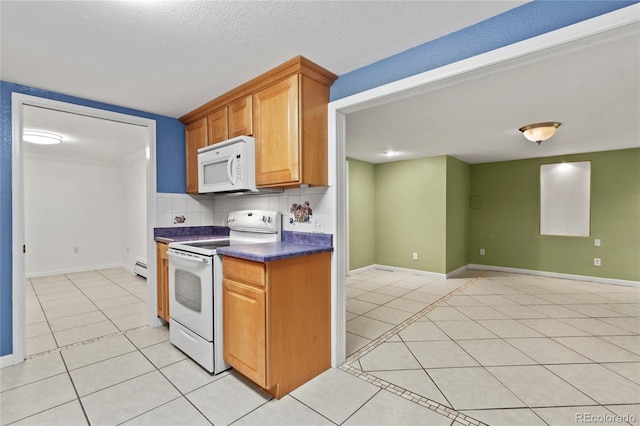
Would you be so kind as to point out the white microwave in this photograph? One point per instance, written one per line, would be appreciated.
(228, 166)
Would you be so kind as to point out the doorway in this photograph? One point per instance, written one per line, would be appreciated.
(22, 103)
(459, 78)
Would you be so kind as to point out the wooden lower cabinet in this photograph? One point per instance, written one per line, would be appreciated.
(277, 320)
(245, 328)
(162, 280)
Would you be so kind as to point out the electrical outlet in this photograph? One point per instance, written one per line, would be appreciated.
(481, 252)
(415, 256)
(596, 242)
(596, 261)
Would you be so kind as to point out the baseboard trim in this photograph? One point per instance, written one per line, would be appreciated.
(9, 360)
(363, 269)
(411, 271)
(81, 269)
(455, 272)
(602, 280)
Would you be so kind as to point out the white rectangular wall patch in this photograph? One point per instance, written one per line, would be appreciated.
(565, 197)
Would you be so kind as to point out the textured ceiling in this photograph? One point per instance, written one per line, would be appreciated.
(169, 57)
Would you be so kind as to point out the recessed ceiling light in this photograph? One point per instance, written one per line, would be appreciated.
(41, 138)
(390, 153)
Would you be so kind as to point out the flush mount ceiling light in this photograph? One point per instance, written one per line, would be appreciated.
(41, 138)
(540, 132)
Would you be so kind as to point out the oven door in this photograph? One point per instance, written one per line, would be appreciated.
(191, 291)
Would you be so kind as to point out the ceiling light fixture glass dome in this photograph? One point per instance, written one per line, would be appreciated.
(40, 137)
(540, 132)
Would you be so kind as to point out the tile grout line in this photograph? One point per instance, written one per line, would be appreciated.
(404, 324)
(84, 342)
(159, 370)
(398, 390)
(46, 318)
(93, 302)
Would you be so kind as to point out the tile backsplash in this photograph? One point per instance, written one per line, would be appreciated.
(213, 210)
(183, 210)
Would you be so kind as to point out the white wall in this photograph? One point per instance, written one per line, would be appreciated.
(71, 205)
(100, 209)
(207, 210)
(133, 189)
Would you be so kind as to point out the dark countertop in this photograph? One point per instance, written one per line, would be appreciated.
(189, 238)
(293, 244)
(267, 252)
(189, 233)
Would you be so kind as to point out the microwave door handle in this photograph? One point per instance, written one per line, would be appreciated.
(230, 170)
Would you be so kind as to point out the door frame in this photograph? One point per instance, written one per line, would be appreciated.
(18, 101)
(423, 83)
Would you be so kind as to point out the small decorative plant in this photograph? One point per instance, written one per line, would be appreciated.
(301, 212)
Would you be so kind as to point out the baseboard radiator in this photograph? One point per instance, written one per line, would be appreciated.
(140, 268)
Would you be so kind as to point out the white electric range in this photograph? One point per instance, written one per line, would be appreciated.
(195, 285)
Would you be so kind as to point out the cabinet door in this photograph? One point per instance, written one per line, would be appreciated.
(195, 138)
(162, 281)
(241, 117)
(217, 126)
(244, 329)
(276, 129)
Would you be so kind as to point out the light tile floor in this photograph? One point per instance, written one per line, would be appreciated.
(500, 348)
(139, 378)
(71, 308)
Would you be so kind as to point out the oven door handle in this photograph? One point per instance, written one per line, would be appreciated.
(187, 256)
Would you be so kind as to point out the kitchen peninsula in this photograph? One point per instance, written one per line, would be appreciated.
(276, 305)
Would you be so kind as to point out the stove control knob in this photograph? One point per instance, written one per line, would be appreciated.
(231, 218)
(264, 218)
(269, 220)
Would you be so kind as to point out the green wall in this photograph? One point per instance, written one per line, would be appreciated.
(362, 227)
(507, 223)
(405, 207)
(457, 235)
(411, 213)
(437, 222)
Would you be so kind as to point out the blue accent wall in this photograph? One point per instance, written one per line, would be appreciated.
(524, 22)
(529, 20)
(170, 164)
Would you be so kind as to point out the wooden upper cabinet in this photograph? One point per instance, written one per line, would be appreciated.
(276, 130)
(217, 126)
(195, 138)
(236, 119)
(241, 117)
(285, 109)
